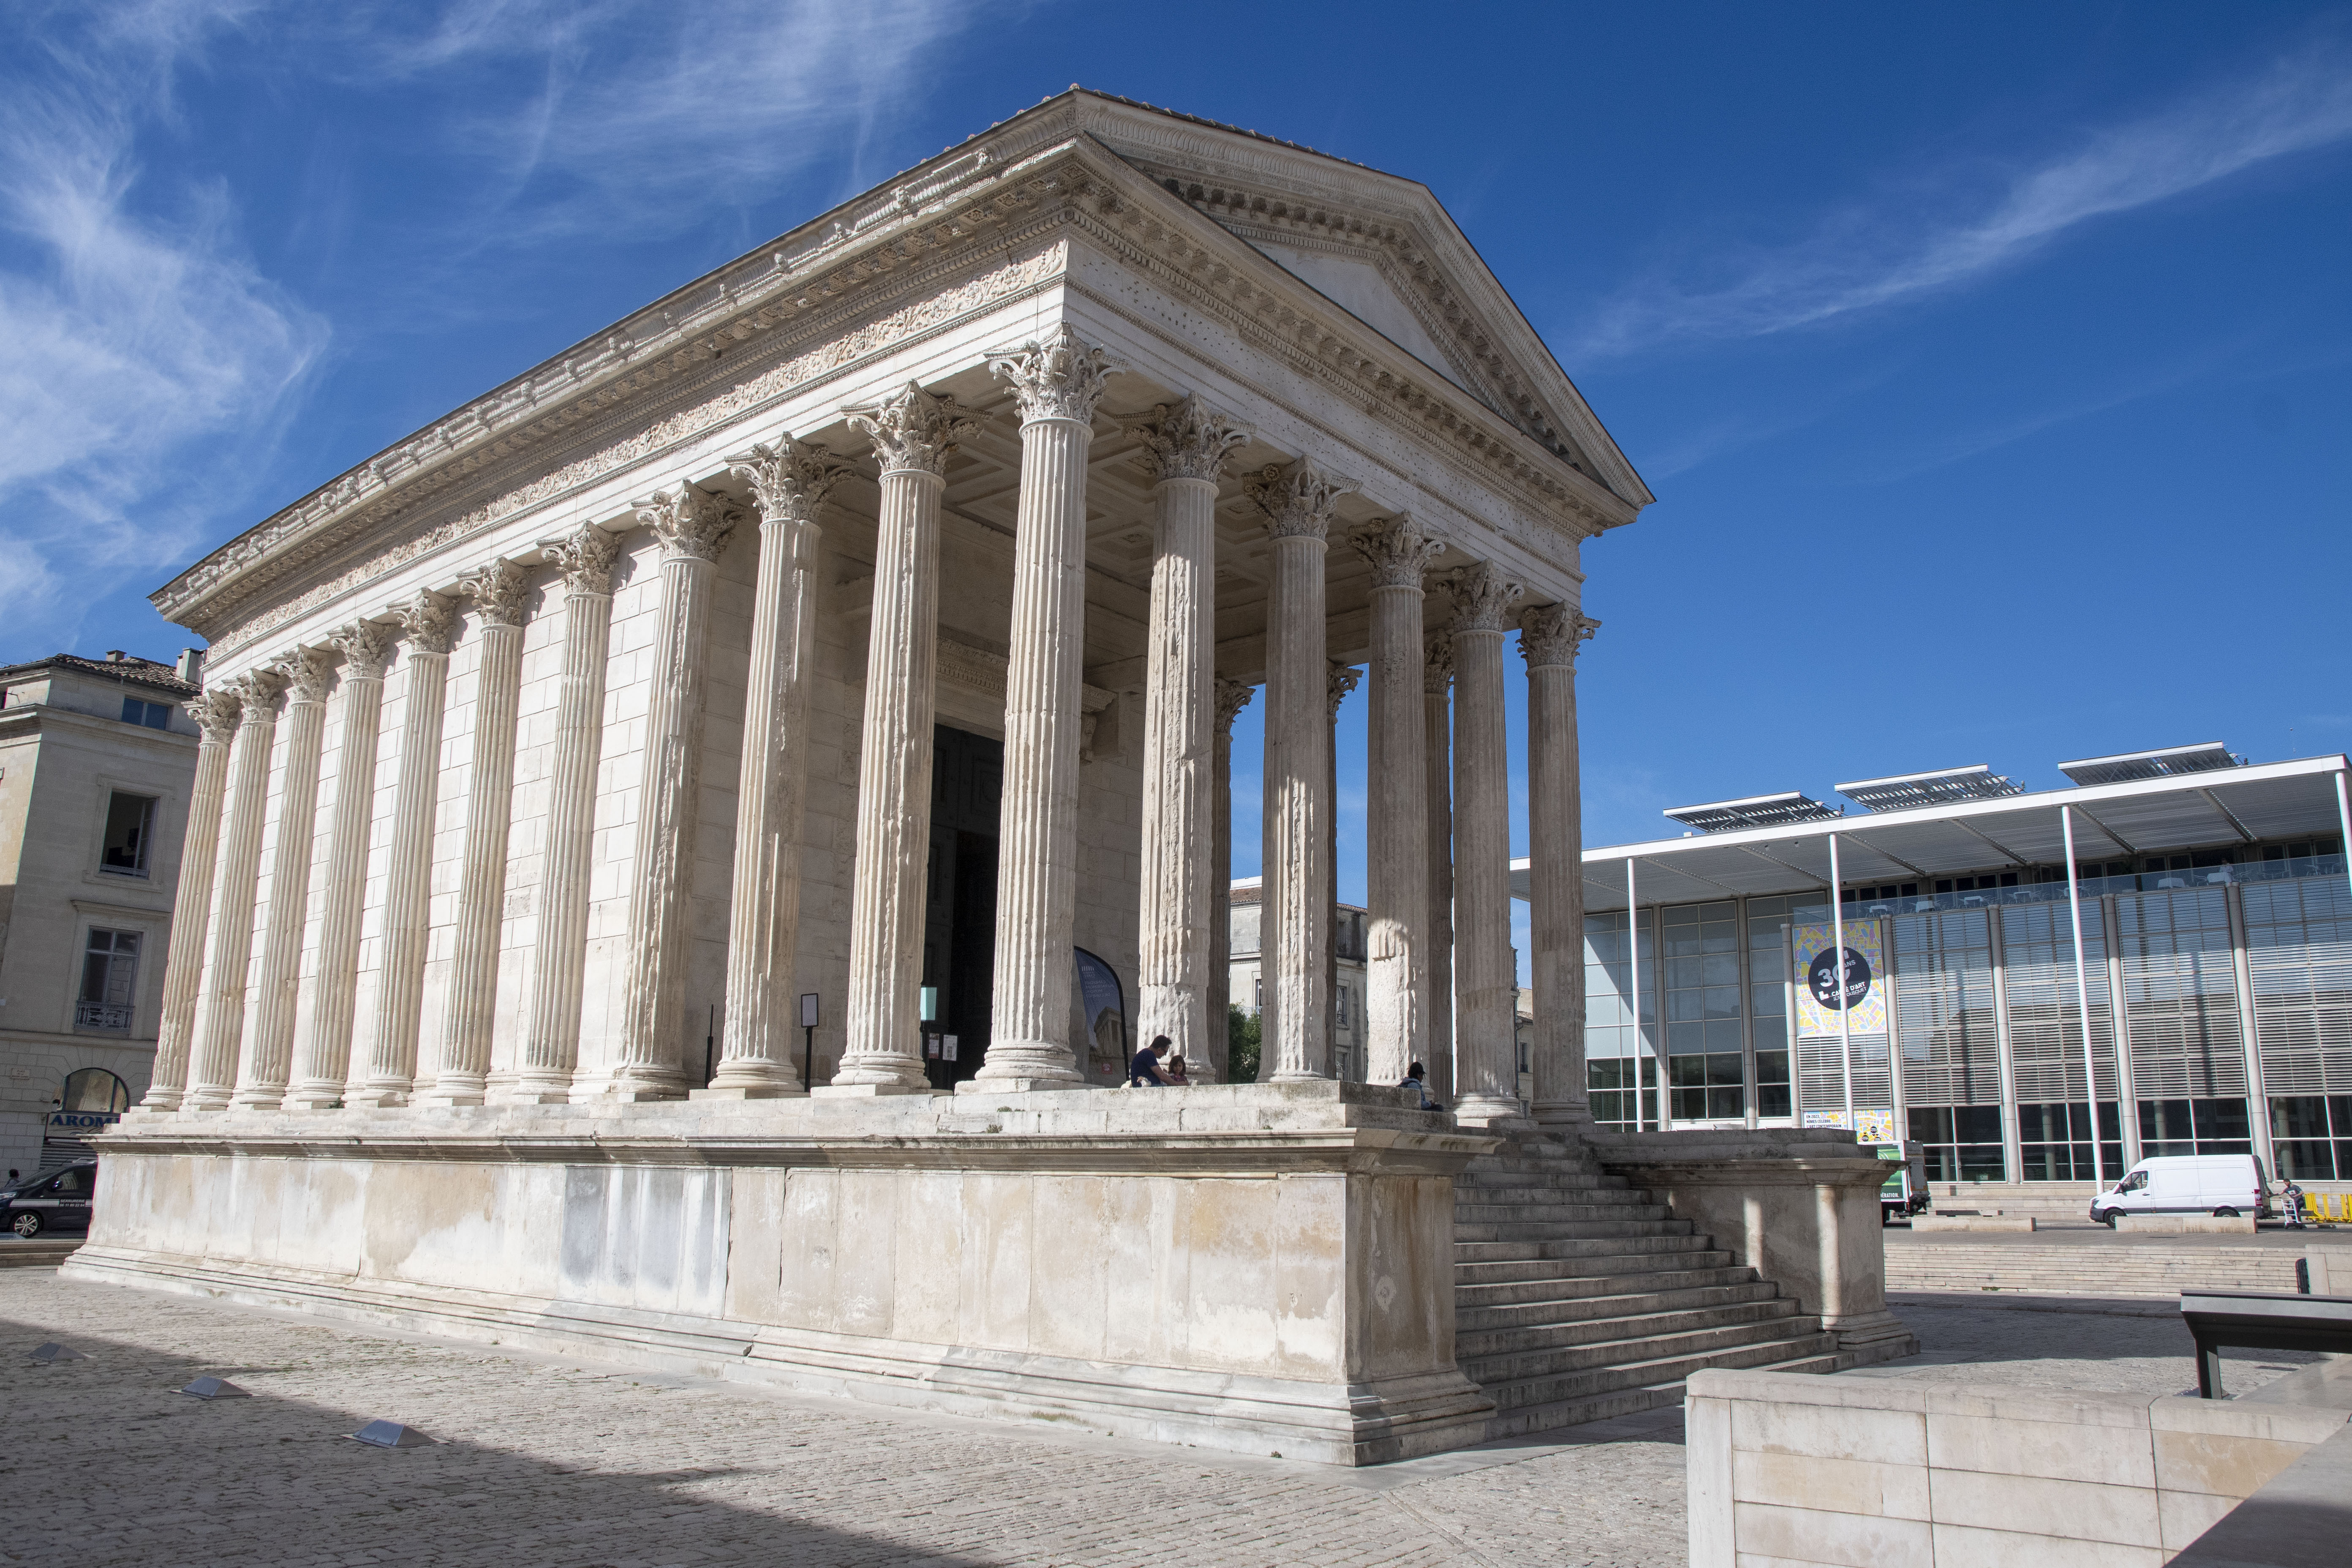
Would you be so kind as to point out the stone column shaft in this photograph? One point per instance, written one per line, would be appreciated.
(691, 526)
(1232, 696)
(497, 591)
(1437, 744)
(323, 1040)
(550, 1045)
(1485, 1014)
(427, 622)
(791, 481)
(1397, 812)
(1548, 639)
(270, 1053)
(1297, 935)
(1180, 883)
(216, 714)
(1058, 382)
(221, 1031)
(912, 433)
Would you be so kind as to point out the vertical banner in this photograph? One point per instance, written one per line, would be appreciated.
(1822, 991)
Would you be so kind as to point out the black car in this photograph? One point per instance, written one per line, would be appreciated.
(55, 1199)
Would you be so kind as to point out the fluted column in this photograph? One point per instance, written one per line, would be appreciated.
(1485, 988)
(912, 435)
(221, 1010)
(1296, 934)
(1057, 382)
(427, 621)
(1343, 678)
(789, 480)
(550, 1044)
(323, 1038)
(216, 714)
(1437, 746)
(1185, 446)
(1550, 637)
(691, 526)
(1396, 829)
(270, 1051)
(1232, 697)
(498, 593)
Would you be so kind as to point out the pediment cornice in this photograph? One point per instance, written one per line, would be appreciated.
(851, 285)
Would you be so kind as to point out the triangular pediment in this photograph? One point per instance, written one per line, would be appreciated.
(1356, 285)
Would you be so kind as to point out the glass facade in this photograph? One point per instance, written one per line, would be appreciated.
(2231, 970)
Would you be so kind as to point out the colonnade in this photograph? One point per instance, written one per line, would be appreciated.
(1442, 983)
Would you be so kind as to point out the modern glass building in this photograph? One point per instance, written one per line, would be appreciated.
(2211, 897)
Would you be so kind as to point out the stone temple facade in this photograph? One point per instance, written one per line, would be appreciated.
(867, 620)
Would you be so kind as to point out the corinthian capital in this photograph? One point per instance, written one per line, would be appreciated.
(1552, 635)
(1482, 597)
(1296, 500)
(216, 713)
(366, 648)
(913, 430)
(496, 590)
(306, 671)
(263, 692)
(1399, 550)
(689, 522)
(1232, 697)
(1343, 678)
(584, 557)
(1061, 377)
(1437, 667)
(1186, 441)
(427, 621)
(790, 479)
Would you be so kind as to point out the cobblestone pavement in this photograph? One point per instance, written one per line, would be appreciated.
(566, 1464)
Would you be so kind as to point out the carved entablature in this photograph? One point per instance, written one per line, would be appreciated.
(1058, 376)
(789, 479)
(366, 648)
(1400, 551)
(1186, 441)
(498, 591)
(1483, 596)
(1551, 635)
(913, 431)
(690, 523)
(1297, 499)
(583, 558)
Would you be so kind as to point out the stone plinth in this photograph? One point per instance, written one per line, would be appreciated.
(1800, 1205)
(1258, 1268)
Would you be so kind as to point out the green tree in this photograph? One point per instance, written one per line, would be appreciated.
(1242, 1038)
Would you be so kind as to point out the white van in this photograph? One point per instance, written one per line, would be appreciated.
(2188, 1183)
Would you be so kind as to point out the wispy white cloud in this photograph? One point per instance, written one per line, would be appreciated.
(1866, 259)
(135, 326)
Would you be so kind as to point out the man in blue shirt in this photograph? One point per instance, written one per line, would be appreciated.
(1143, 1072)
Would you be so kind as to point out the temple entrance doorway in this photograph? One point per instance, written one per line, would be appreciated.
(960, 908)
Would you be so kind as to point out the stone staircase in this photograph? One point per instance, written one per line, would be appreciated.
(1577, 1299)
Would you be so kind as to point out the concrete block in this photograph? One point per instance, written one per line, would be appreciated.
(2069, 1511)
(1846, 1541)
(2070, 1451)
(1970, 1546)
(2185, 1516)
(1927, 1224)
(1827, 1432)
(1856, 1487)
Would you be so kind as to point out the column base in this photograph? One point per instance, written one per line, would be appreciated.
(1872, 1336)
(451, 1096)
(159, 1103)
(790, 1091)
(1496, 1115)
(628, 1086)
(1027, 1064)
(314, 1098)
(208, 1104)
(1020, 1085)
(376, 1096)
(748, 1078)
(867, 1090)
(540, 1087)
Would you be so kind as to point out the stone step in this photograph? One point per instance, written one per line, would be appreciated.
(1556, 1232)
(1771, 1344)
(1523, 1190)
(1617, 1297)
(1502, 1284)
(1522, 1419)
(2091, 1265)
(1659, 1237)
(1486, 1346)
(1551, 1212)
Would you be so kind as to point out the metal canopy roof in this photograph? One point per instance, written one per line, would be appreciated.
(1756, 811)
(2164, 763)
(1941, 787)
(2236, 806)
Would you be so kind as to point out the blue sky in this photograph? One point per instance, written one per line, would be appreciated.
(1987, 361)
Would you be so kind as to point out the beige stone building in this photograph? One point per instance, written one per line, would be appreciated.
(619, 786)
(1247, 974)
(96, 761)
